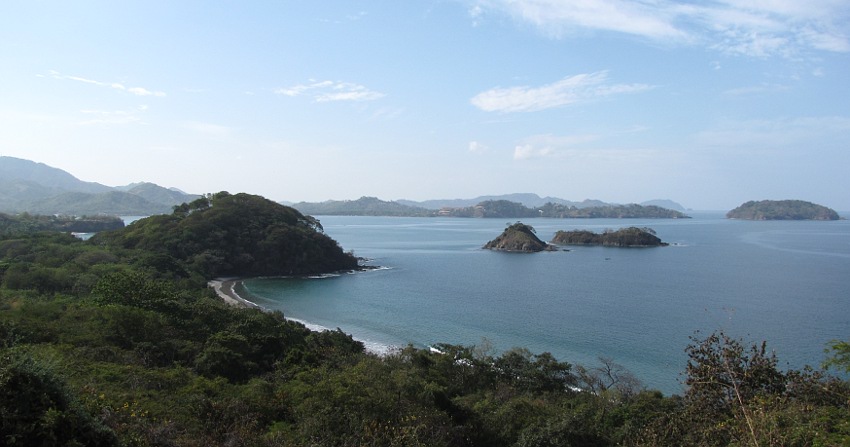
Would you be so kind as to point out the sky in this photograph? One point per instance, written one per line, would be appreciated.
(708, 103)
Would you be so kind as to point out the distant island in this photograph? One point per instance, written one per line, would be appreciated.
(514, 210)
(624, 237)
(782, 210)
(502, 209)
(518, 238)
(530, 200)
(364, 206)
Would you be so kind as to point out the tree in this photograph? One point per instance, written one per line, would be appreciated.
(36, 407)
(609, 375)
(839, 356)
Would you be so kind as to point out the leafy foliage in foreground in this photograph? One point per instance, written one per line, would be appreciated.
(104, 344)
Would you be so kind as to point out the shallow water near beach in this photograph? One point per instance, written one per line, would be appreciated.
(784, 282)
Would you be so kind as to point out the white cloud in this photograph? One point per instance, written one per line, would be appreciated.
(572, 89)
(548, 145)
(477, 148)
(754, 28)
(526, 151)
(558, 17)
(328, 91)
(139, 91)
(386, 113)
(104, 117)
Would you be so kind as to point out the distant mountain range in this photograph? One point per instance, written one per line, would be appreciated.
(530, 200)
(364, 206)
(511, 206)
(36, 188)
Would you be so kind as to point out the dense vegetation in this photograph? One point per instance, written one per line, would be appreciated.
(782, 210)
(116, 341)
(624, 237)
(28, 223)
(518, 237)
(233, 235)
(514, 210)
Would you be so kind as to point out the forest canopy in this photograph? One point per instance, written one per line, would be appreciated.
(235, 235)
(624, 237)
(118, 341)
(782, 210)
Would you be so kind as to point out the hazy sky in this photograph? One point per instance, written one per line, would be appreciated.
(709, 103)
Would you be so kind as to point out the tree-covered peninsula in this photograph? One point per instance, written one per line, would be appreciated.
(118, 341)
(234, 235)
(364, 206)
(624, 237)
(519, 238)
(782, 210)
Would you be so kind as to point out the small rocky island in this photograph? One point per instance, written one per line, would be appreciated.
(782, 210)
(520, 238)
(624, 237)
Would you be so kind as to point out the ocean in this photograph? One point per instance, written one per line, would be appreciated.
(784, 282)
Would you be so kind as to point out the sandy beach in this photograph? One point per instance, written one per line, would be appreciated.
(225, 289)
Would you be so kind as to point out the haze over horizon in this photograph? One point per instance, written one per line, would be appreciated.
(709, 104)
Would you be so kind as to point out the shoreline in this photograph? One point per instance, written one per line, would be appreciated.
(225, 288)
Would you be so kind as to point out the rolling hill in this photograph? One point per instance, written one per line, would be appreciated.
(36, 188)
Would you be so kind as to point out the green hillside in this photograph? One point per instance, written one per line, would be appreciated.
(235, 235)
(117, 341)
(27, 186)
(782, 210)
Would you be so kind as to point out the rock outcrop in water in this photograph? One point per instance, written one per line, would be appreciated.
(624, 237)
(520, 238)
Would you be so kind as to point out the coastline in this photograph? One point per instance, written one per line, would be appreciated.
(225, 288)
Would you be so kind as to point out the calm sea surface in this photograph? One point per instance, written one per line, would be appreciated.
(784, 282)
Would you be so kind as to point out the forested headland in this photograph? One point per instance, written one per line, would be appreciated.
(118, 341)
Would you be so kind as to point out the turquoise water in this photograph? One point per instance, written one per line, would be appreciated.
(784, 282)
